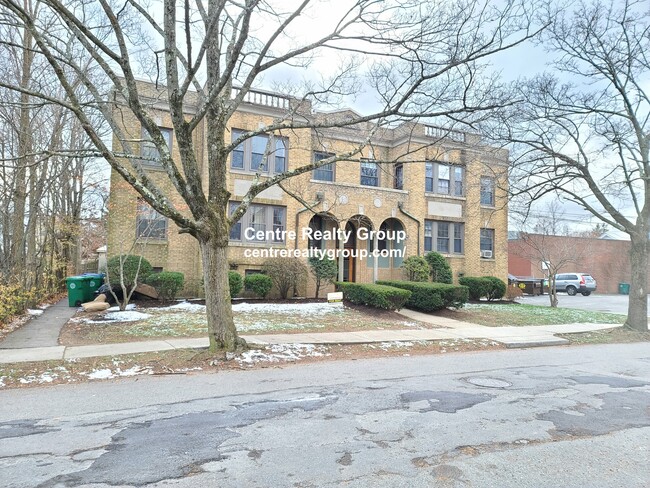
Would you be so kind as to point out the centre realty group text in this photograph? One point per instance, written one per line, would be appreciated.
(307, 233)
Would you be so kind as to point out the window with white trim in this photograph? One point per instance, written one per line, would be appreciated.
(149, 224)
(369, 173)
(444, 179)
(251, 155)
(487, 191)
(398, 176)
(149, 152)
(264, 218)
(325, 172)
(444, 237)
(487, 240)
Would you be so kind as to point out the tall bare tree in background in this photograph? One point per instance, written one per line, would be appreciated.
(588, 139)
(47, 177)
(417, 58)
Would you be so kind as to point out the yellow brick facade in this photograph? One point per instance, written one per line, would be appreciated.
(343, 200)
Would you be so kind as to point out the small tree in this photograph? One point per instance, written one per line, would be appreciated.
(285, 273)
(416, 268)
(324, 271)
(440, 269)
(126, 270)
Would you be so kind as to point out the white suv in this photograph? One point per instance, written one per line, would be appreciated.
(574, 283)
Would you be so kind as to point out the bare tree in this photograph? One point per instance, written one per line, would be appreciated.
(549, 243)
(589, 139)
(420, 59)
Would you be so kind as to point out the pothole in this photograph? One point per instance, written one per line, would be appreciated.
(484, 382)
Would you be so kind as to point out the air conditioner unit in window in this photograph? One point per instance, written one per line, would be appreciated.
(486, 254)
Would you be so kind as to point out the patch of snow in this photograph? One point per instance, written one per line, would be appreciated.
(100, 374)
(187, 307)
(2, 381)
(281, 352)
(46, 377)
(135, 370)
(130, 306)
(126, 316)
(34, 311)
(289, 308)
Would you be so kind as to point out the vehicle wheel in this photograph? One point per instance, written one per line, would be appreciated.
(586, 293)
(571, 290)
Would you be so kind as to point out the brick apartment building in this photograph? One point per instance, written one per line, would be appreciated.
(445, 190)
(607, 260)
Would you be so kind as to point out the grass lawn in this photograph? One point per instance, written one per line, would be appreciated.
(499, 315)
(189, 320)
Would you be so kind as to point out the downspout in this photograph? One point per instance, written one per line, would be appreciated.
(400, 206)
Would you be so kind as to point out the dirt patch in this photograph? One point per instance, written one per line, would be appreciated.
(607, 336)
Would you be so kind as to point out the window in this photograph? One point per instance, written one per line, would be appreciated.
(251, 154)
(487, 191)
(269, 219)
(148, 150)
(369, 173)
(443, 237)
(487, 240)
(398, 181)
(448, 237)
(280, 154)
(326, 172)
(444, 179)
(235, 230)
(149, 224)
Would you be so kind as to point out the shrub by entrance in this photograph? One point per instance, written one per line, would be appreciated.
(374, 295)
(429, 297)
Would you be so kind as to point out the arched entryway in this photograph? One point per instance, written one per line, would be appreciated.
(393, 247)
(351, 246)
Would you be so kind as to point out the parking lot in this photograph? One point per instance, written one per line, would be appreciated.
(595, 302)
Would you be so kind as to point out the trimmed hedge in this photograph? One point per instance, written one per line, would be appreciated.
(166, 283)
(489, 287)
(374, 295)
(478, 287)
(258, 283)
(497, 288)
(429, 297)
(235, 283)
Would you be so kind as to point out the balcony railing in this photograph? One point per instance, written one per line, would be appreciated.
(263, 98)
(442, 133)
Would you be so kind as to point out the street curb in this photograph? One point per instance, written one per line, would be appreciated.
(540, 343)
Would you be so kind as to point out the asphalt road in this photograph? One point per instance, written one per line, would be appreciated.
(546, 417)
(594, 302)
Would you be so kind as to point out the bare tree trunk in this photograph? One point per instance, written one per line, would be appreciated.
(221, 326)
(552, 290)
(24, 148)
(637, 312)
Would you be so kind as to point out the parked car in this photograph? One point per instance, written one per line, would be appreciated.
(573, 283)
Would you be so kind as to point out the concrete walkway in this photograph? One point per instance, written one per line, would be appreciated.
(37, 340)
(41, 331)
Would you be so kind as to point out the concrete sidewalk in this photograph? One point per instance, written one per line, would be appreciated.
(510, 336)
(38, 339)
(41, 331)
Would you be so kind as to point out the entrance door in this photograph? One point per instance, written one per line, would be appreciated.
(349, 262)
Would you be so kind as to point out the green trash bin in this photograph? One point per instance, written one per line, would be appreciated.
(623, 288)
(77, 290)
(95, 280)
